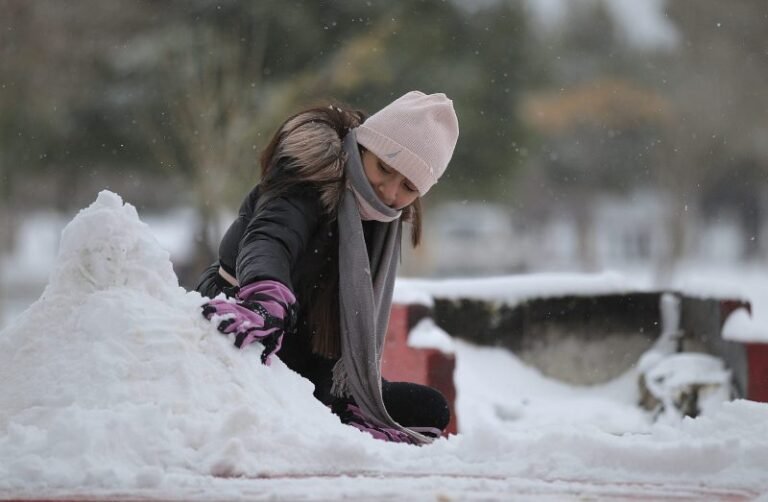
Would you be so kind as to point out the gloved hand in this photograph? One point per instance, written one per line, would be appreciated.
(263, 311)
(350, 414)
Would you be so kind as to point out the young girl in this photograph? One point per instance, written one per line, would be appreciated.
(309, 265)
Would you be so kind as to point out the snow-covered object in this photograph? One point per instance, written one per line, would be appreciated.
(669, 338)
(680, 383)
(112, 385)
(688, 382)
(428, 335)
(742, 327)
(512, 289)
(747, 283)
(405, 294)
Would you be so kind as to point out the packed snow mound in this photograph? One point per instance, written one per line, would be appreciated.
(112, 383)
(107, 246)
(114, 370)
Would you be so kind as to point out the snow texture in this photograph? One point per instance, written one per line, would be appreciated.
(428, 335)
(113, 385)
(742, 327)
(512, 289)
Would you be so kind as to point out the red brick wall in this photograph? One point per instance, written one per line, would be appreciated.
(757, 355)
(757, 372)
(423, 366)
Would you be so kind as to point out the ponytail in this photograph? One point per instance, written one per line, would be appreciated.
(308, 148)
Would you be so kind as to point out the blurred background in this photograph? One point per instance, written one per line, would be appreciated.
(595, 134)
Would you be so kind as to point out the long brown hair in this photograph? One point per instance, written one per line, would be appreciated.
(308, 149)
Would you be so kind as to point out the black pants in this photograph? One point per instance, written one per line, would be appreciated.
(414, 405)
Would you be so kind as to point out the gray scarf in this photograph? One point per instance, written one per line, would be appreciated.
(365, 293)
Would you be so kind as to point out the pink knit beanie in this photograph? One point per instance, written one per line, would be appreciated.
(415, 134)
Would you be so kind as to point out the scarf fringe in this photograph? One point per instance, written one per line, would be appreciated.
(340, 387)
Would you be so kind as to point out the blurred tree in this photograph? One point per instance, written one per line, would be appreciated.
(201, 89)
(716, 82)
(106, 93)
(232, 71)
(477, 59)
(597, 122)
(597, 137)
(210, 81)
(698, 136)
(65, 118)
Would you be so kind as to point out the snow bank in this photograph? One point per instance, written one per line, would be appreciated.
(113, 383)
(512, 289)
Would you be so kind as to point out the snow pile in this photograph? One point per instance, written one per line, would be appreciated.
(114, 378)
(112, 383)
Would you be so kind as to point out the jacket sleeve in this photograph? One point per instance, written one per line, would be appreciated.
(276, 237)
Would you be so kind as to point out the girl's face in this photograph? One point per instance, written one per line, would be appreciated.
(394, 189)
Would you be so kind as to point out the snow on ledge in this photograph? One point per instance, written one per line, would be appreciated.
(512, 289)
(741, 327)
(428, 335)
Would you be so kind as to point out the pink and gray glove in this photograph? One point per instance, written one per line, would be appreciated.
(262, 311)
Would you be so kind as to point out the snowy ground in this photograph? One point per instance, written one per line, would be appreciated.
(113, 386)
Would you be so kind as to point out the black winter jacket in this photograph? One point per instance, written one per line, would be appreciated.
(291, 240)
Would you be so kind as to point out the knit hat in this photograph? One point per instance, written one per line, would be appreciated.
(415, 134)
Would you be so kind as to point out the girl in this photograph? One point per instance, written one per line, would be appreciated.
(309, 264)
